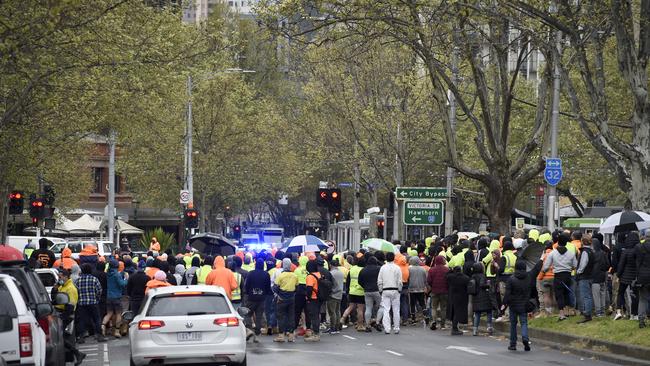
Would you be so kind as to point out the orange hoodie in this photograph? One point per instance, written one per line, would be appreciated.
(66, 260)
(403, 266)
(222, 277)
(89, 250)
(155, 284)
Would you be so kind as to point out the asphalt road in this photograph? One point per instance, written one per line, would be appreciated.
(413, 346)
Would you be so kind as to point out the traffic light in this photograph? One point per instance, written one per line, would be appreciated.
(335, 200)
(49, 195)
(236, 231)
(16, 203)
(37, 209)
(323, 197)
(337, 216)
(191, 218)
(380, 228)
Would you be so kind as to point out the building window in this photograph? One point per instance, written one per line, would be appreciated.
(118, 184)
(98, 180)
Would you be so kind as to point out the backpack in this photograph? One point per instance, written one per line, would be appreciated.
(325, 287)
(472, 287)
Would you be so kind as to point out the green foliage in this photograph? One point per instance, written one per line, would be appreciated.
(166, 240)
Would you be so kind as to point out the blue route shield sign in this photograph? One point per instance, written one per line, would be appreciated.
(553, 171)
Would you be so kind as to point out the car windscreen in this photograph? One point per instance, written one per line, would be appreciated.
(183, 305)
(48, 278)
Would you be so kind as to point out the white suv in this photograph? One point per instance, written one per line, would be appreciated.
(22, 340)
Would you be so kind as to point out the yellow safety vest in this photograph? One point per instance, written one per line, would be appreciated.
(28, 252)
(355, 288)
(301, 273)
(511, 259)
(236, 293)
(204, 271)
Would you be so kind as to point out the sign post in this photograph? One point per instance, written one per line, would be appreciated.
(424, 213)
(420, 193)
(185, 197)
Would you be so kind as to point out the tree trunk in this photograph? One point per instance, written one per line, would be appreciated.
(500, 201)
(639, 194)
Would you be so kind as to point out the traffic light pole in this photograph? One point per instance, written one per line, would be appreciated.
(555, 116)
(110, 215)
(356, 235)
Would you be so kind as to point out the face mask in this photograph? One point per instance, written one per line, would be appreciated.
(60, 282)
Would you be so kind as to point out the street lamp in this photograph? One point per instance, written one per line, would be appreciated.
(189, 179)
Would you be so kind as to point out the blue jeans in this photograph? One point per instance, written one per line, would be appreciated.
(477, 318)
(523, 318)
(587, 297)
(269, 307)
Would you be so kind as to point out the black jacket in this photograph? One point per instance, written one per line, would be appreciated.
(643, 263)
(518, 289)
(627, 266)
(601, 265)
(257, 285)
(482, 301)
(368, 278)
(136, 285)
(458, 297)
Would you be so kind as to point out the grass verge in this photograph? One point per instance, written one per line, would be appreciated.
(605, 329)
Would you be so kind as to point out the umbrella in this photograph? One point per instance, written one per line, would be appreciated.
(8, 253)
(379, 245)
(305, 243)
(212, 244)
(625, 221)
(531, 254)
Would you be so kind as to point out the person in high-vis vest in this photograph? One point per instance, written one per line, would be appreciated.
(506, 270)
(301, 293)
(356, 295)
(29, 249)
(236, 293)
(269, 306)
(248, 265)
(204, 270)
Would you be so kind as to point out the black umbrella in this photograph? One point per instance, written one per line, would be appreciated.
(531, 254)
(213, 244)
(625, 221)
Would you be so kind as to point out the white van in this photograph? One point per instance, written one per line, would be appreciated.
(19, 242)
(76, 245)
(22, 340)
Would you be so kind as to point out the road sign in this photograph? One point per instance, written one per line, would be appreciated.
(553, 171)
(519, 223)
(420, 193)
(185, 197)
(346, 185)
(425, 213)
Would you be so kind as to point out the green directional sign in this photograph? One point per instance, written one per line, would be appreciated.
(420, 193)
(425, 213)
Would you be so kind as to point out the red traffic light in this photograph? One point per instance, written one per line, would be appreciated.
(335, 195)
(191, 213)
(323, 195)
(15, 196)
(37, 204)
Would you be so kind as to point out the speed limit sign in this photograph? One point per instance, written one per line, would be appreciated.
(185, 197)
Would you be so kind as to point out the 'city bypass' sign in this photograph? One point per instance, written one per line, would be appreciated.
(420, 193)
(426, 213)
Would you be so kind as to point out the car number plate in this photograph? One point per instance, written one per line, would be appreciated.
(188, 336)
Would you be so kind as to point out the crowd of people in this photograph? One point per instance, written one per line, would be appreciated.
(443, 282)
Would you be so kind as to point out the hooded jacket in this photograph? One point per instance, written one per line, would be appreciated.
(643, 263)
(89, 255)
(179, 271)
(285, 282)
(417, 276)
(562, 260)
(400, 260)
(258, 282)
(626, 269)
(518, 289)
(115, 282)
(136, 285)
(42, 256)
(368, 276)
(222, 277)
(437, 276)
(601, 261)
(66, 260)
(483, 300)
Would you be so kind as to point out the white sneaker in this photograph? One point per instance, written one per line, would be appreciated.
(635, 317)
(618, 316)
(500, 319)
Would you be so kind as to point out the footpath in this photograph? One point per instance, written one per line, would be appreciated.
(567, 338)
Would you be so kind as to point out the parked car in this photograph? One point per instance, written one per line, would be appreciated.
(75, 245)
(48, 277)
(22, 340)
(19, 242)
(38, 301)
(188, 324)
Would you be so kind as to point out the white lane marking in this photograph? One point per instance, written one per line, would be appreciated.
(91, 354)
(106, 362)
(394, 353)
(87, 348)
(90, 359)
(307, 351)
(468, 350)
(348, 337)
(369, 344)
